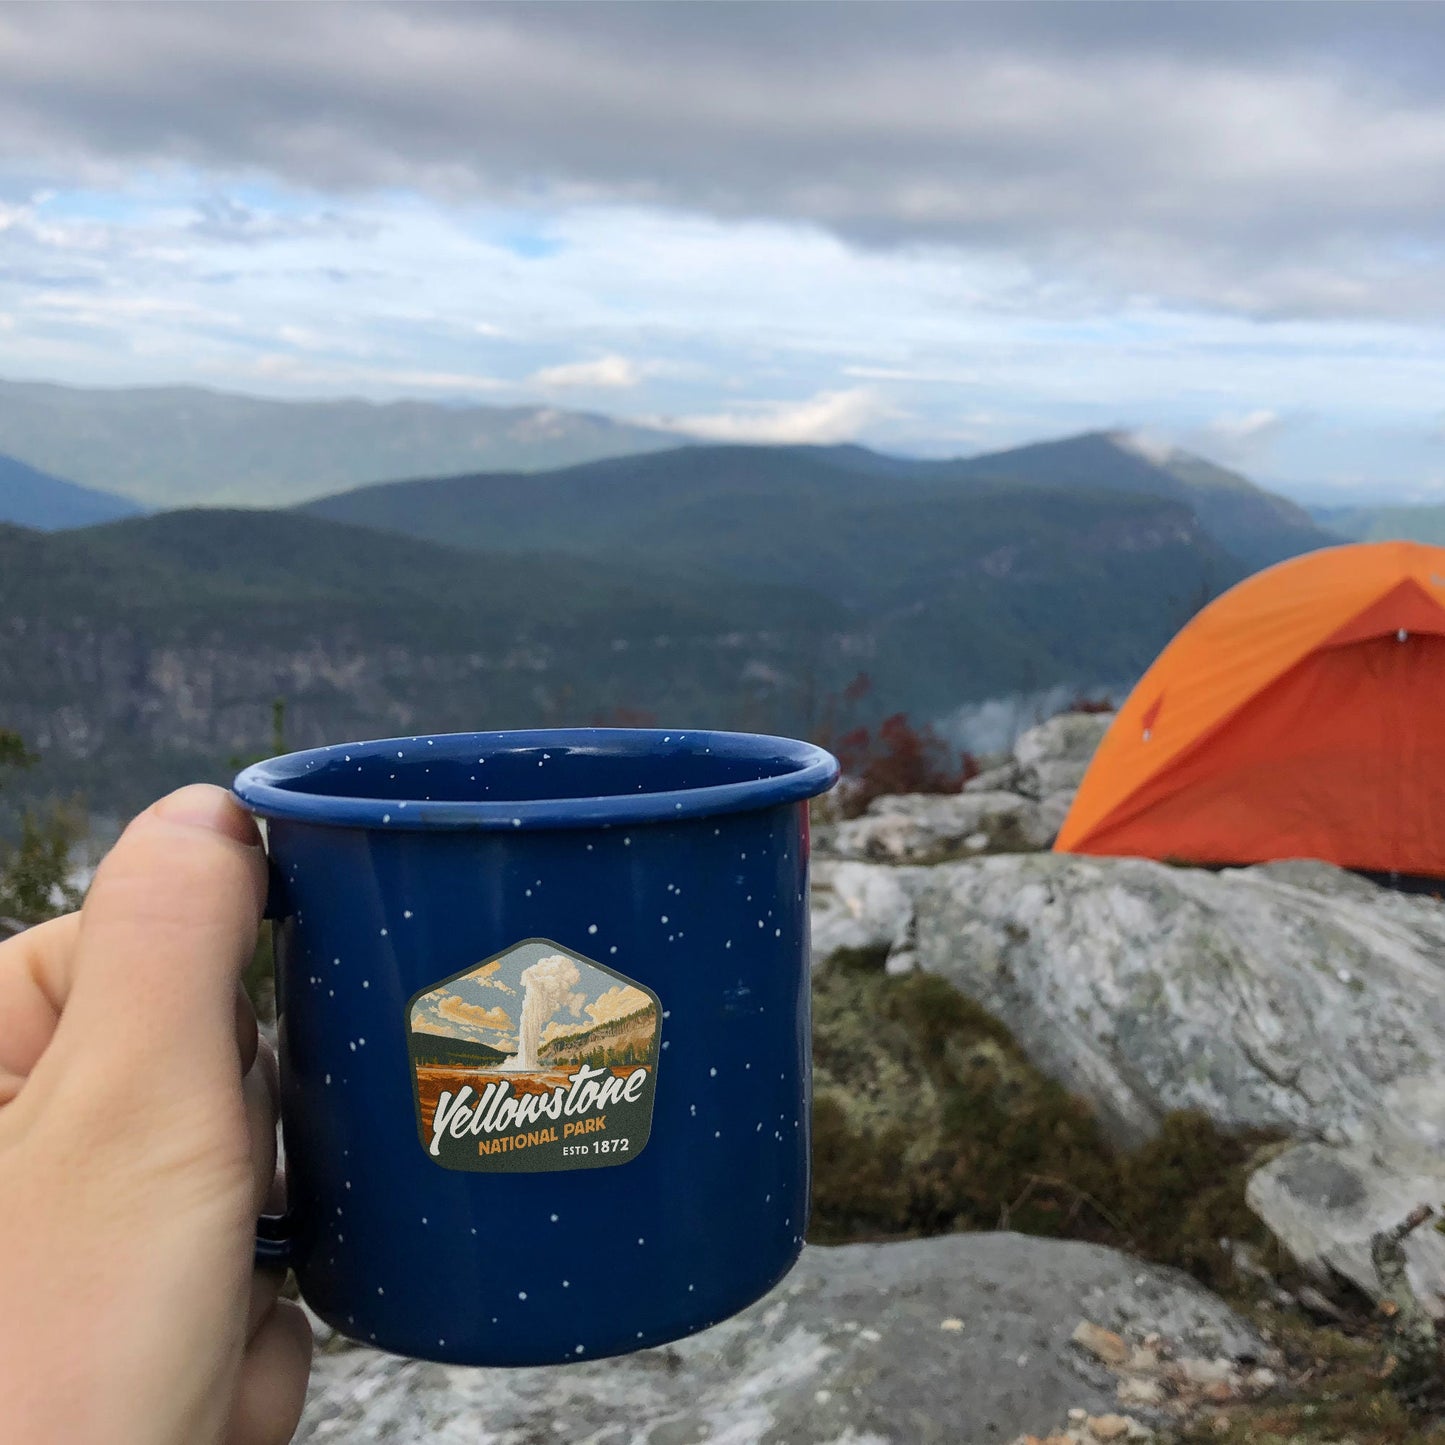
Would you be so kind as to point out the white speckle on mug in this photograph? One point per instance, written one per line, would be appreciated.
(379, 1290)
(331, 992)
(627, 842)
(566, 1284)
(336, 963)
(667, 1013)
(694, 1110)
(383, 933)
(777, 933)
(386, 817)
(664, 918)
(581, 1349)
(591, 928)
(717, 1134)
(521, 1294)
(516, 822)
(406, 912)
(353, 1046)
(666, 1042)
(641, 1240)
(613, 949)
(529, 892)
(474, 1230)
(728, 944)
(712, 1073)
(399, 752)
(554, 1220)
(690, 1288)
(366, 983)
(401, 805)
(328, 1078)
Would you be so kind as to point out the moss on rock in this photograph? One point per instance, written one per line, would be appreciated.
(928, 1118)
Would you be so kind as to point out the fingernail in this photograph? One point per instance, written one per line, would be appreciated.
(203, 805)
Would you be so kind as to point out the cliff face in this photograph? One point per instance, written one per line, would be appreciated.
(633, 1033)
(120, 712)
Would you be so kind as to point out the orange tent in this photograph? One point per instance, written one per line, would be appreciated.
(1300, 715)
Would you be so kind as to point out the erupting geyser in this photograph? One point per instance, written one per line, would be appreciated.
(549, 983)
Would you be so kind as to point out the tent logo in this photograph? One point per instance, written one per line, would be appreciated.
(1151, 716)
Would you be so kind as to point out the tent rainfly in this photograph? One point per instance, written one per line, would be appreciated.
(1299, 715)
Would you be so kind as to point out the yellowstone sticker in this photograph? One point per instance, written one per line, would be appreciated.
(534, 1059)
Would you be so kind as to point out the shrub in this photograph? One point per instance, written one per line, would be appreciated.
(899, 758)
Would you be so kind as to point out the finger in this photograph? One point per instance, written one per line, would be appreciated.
(260, 1091)
(34, 979)
(167, 927)
(272, 1389)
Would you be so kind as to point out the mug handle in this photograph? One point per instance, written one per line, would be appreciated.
(273, 1231)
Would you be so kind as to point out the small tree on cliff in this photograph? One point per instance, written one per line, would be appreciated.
(35, 869)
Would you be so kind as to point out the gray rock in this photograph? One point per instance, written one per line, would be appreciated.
(1296, 998)
(1016, 807)
(858, 1346)
(1324, 1204)
(921, 828)
(863, 908)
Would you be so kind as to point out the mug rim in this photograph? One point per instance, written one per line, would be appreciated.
(268, 789)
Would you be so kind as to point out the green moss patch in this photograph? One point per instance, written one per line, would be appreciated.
(928, 1118)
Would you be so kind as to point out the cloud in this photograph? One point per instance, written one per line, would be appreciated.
(615, 1003)
(605, 372)
(1290, 163)
(1250, 426)
(486, 977)
(450, 1014)
(830, 416)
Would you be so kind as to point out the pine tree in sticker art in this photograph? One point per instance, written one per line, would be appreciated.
(537, 1058)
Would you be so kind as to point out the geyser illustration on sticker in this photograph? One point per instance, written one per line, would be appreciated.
(537, 1058)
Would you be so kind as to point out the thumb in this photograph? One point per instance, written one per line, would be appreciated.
(168, 925)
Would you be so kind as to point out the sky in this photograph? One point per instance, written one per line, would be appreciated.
(935, 229)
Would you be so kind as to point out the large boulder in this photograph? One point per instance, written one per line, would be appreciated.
(869, 1344)
(1050, 759)
(1287, 996)
(1291, 997)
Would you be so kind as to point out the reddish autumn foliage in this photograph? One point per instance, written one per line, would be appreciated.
(899, 758)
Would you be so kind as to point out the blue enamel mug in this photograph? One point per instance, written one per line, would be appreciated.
(543, 1010)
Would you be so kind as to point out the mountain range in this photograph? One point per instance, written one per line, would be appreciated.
(700, 585)
(180, 446)
(31, 498)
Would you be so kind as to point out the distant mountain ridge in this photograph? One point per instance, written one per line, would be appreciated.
(1422, 522)
(623, 502)
(31, 498)
(178, 446)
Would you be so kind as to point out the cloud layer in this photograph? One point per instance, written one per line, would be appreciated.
(940, 228)
(1283, 161)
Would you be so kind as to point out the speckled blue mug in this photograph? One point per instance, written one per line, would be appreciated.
(544, 1033)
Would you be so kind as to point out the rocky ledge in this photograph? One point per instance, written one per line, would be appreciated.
(965, 1338)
